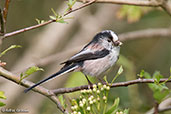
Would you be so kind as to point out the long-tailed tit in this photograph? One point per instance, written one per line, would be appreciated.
(94, 59)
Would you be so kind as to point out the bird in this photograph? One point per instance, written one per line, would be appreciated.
(95, 58)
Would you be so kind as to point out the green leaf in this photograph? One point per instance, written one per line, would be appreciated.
(62, 101)
(38, 21)
(32, 70)
(142, 73)
(52, 17)
(62, 21)
(2, 104)
(118, 73)
(157, 76)
(120, 70)
(147, 75)
(160, 96)
(2, 95)
(54, 12)
(114, 107)
(105, 79)
(126, 111)
(11, 47)
(29, 71)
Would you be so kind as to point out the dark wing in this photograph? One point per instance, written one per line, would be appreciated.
(86, 55)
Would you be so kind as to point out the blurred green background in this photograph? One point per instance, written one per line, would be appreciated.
(56, 42)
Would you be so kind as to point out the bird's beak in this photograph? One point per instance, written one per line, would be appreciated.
(117, 43)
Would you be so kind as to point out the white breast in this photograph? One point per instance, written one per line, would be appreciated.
(99, 66)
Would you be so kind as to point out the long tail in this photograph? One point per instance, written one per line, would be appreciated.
(62, 71)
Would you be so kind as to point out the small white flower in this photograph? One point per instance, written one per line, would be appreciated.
(72, 107)
(94, 86)
(91, 102)
(89, 91)
(98, 98)
(94, 100)
(75, 107)
(104, 86)
(81, 104)
(79, 113)
(104, 98)
(94, 89)
(102, 89)
(88, 108)
(108, 88)
(84, 101)
(99, 84)
(74, 112)
(98, 91)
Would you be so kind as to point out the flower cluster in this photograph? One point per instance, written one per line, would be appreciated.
(92, 100)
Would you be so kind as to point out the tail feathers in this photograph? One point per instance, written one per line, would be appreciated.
(62, 71)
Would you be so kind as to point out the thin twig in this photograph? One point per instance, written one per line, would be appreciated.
(84, 5)
(119, 84)
(27, 29)
(5, 11)
(45, 23)
(165, 4)
(156, 111)
(1, 23)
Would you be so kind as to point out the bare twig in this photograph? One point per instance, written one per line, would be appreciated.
(1, 23)
(119, 84)
(156, 111)
(45, 92)
(165, 4)
(28, 28)
(3, 18)
(84, 5)
(46, 23)
(5, 11)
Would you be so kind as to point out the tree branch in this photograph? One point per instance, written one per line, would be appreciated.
(5, 11)
(165, 4)
(3, 17)
(45, 92)
(118, 84)
(147, 33)
(45, 23)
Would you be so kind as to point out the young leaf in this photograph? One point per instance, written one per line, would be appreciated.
(105, 79)
(52, 17)
(62, 101)
(157, 76)
(2, 104)
(62, 21)
(119, 72)
(126, 111)
(38, 21)
(2, 95)
(54, 12)
(114, 107)
(32, 70)
(141, 75)
(29, 72)
(160, 96)
(11, 47)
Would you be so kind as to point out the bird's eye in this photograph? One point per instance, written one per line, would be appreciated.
(108, 40)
